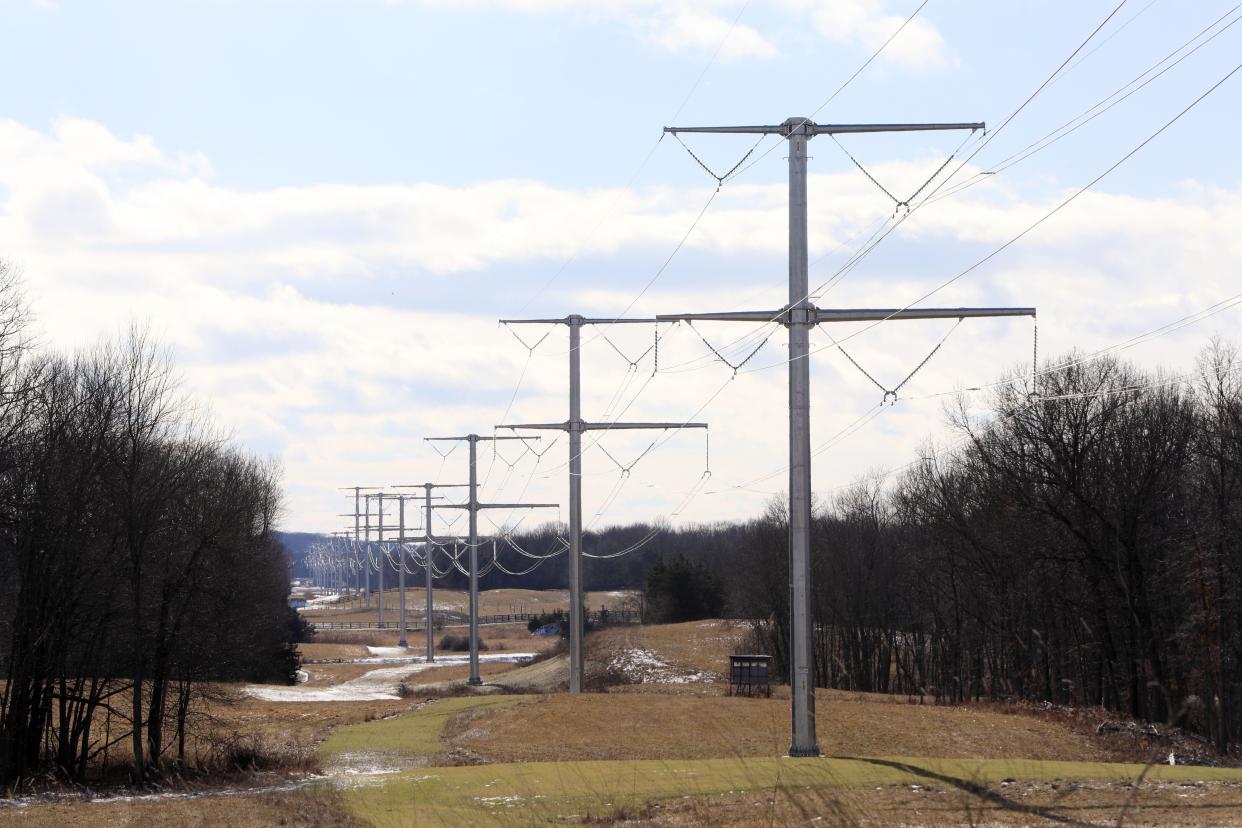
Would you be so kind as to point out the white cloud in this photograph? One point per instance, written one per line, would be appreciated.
(108, 229)
(702, 25)
(675, 25)
(869, 23)
(684, 27)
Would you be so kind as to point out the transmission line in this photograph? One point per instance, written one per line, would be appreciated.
(1029, 228)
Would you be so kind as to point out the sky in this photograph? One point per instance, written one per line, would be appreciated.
(324, 207)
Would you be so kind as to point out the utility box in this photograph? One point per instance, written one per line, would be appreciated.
(749, 675)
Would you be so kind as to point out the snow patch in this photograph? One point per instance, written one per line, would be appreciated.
(646, 667)
(320, 601)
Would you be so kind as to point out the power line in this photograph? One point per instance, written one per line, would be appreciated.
(1007, 244)
(873, 241)
(711, 198)
(1214, 309)
(1099, 108)
(1005, 417)
(650, 152)
(1146, 336)
(848, 80)
(986, 137)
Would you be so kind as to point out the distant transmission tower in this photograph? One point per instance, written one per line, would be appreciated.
(357, 490)
(427, 538)
(473, 506)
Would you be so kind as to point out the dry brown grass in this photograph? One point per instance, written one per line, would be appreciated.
(317, 808)
(320, 649)
(296, 722)
(937, 804)
(491, 602)
(356, 638)
(648, 726)
(695, 645)
(507, 638)
(513, 637)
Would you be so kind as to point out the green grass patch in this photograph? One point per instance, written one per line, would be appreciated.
(410, 737)
(541, 793)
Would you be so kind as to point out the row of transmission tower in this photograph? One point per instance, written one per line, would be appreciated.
(798, 316)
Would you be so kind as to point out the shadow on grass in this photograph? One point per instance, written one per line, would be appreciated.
(976, 789)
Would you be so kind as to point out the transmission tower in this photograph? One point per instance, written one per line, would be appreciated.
(427, 539)
(380, 528)
(799, 316)
(401, 540)
(575, 425)
(473, 506)
(357, 490)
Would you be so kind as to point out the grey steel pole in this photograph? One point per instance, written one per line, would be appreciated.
(357, 578)
(379, 559)
(401, 642)
(473, 506)
(431, 646)
(801, 319)
(366, 563)
(474, 565)
(576, 626)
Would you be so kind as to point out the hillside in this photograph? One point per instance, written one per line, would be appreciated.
(297, 544)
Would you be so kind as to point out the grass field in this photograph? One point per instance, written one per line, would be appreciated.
(553, 793)
(412, 738)
(652, 726)
(669, 751)
(843, 788)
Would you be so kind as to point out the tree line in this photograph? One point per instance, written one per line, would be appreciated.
(139, 558)
(1080, 547)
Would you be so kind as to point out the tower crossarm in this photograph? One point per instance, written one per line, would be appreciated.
(809, 128)
(823, 315)
(496, 506)
(581, 320)
(586, 426)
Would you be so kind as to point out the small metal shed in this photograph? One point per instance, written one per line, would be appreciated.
(749, 675)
